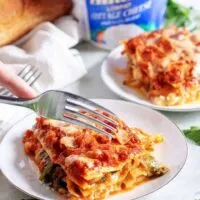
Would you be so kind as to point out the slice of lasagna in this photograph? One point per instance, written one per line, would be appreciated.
(164, 65)
(82, 164)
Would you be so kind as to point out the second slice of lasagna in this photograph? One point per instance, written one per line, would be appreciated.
(165, 65)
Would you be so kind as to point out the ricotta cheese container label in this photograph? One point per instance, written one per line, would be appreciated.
(106, 22)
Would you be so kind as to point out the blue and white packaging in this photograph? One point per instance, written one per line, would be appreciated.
(106, 22)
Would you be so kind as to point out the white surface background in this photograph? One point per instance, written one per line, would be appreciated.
(186, 186)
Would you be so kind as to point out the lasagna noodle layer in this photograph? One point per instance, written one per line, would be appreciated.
(98, 168)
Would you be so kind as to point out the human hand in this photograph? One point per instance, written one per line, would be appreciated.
(14, 83)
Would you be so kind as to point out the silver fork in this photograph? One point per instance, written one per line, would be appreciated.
(64, 106)
(29, 74)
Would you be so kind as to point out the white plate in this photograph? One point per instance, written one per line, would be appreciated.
(19, 171)
(114, 81)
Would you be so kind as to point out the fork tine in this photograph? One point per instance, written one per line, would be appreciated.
(3, 90)
(29, 75)
(81, 100)
(26, 71)
(32, 75)
(6, 93)
(98, 114)
(98, 122)
(83, 124)
(23, 70)
(35, 79)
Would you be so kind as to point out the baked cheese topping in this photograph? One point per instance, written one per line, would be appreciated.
(165, 65)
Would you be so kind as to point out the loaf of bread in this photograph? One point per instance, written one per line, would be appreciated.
(17, 17)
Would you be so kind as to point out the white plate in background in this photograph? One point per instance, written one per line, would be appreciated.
(17, 168)
(114, 81)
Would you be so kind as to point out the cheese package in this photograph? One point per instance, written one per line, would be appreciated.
(106, 22)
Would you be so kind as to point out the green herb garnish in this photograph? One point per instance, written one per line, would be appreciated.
(177, 14)
(193, 134)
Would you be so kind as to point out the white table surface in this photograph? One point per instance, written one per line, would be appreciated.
(186, 186)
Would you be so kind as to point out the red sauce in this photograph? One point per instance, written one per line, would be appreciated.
(78, 168)
(102, 150)
(30, 143)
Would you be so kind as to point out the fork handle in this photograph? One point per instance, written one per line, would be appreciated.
(13, 101)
